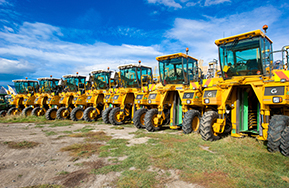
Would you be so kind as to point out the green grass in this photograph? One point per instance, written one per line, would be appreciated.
(61, 123)
(45, 186)
(49, 133)
(22, 119)
(62, 173)
(229, 162)
(21, 145)
(85, 129)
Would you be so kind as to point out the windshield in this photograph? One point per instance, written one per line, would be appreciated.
(25, 87)
(101, 80)
(241, 58)
(129, 77)
(72, 83)
(172, 72)
(48, 85)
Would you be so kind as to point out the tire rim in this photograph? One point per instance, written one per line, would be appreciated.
(53, 114)
(116, 116)
(142, 119)
(64, 113)
(28, 112)
(212, 128)
(155, 120)
(91, 114)
(195, 123)
(79, 114)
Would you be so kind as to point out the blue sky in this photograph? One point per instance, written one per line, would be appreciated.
(39, 38)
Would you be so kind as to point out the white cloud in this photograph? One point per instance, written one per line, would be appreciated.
(15, 67)
(169, 3)
(199, 35)
(215, 2)
(40, 44)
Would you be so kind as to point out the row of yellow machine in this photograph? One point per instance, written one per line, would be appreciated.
(249, 96)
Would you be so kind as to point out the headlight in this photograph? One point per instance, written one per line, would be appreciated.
(36, 99)
(61, 98)
(188, 95)
(115, 97)
(106, 100)
(107, 96)
(75, 98)
(149, 101)
(207, 101)
(139, 96)
(277, 99)
(89, 97)
(138, 101)
(49, 99)
(210, 93)
(152, 96)
(113, 101)
(188, 101)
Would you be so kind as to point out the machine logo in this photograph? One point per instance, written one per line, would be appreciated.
(274, 91)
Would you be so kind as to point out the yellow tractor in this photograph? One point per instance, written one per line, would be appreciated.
(25, 97)
(251, 99)
(141, 98)
(95, 100)
(73, 85)
(123, 109)
(46, 87)
(179, 94)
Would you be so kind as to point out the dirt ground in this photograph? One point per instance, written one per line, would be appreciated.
(42, 164)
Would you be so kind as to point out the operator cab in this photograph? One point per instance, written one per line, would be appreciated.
(48, 85)
(25, 86)
(74, 82)
(245, 54)
(178, 69)
(101, 78)
(132, 75)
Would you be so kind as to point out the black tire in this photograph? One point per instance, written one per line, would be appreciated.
(51, 114)
(77, 114)
(35, 111)
(206, 129)
(284, 147)
(87, 114)
(11, 111)
(27, 111)
(276, 125)
(60, 115)
(112, 116)
(105, 115)
(138, 118)
(3, 113)
(191, 122)
(150, 126)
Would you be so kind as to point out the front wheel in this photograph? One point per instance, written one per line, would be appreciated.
(191, 121)
(151, 121)
(62, 113)
(3, 113)
(37, 111)
(105, 115)
(284, 147)
(27, 111)
(206, 128)
(51, 114)
(90, 114)
(276, 126)
(12, 111)
(138, 118)
(77, 114)
(113, 116)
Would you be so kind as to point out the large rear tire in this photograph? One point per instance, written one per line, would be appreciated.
(51, 114)
(150, 124)
(191, 121)
(206, 128)
(77, 114)
(113, 116)
(90, 115)
(36, 110)
(138, 118)
(284, 147)
(62, 113)
(105, 115)
(27, 111)
(3, 113)
(276, 126)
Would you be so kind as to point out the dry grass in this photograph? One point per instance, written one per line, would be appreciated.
(82, 150)
(21, 145)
